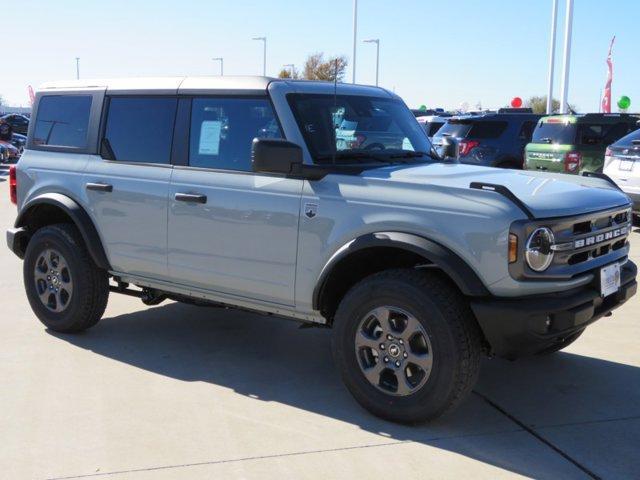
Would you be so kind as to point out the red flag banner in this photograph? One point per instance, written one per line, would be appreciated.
(606, 97)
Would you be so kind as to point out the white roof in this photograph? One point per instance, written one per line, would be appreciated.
(164, 84)
(251, 85)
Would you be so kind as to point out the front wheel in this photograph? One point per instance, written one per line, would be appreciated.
(65, 288)
(407, 345)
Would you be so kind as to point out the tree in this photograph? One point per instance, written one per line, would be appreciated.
(538, 103)
(316, 68)
(289, 73)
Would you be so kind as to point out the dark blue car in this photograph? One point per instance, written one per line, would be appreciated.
(490, 139)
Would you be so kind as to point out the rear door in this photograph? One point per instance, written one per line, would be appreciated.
(232, 231)
(127, 186)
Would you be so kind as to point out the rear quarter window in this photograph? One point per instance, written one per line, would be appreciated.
(62, 121)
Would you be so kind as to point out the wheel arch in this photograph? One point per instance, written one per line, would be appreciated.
(378, 251)
(50, 208)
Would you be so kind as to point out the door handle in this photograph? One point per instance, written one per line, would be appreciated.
(191, 197)
(99, 187)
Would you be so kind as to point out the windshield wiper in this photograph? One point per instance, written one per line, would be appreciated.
(545, 140)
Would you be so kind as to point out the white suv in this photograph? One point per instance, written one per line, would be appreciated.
(622, 164)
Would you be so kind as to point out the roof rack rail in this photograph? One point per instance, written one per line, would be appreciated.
(602, 176)
(501, 189)
(515, 110)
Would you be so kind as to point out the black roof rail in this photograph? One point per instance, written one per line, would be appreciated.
(501, 189)
(515, 110)
(602, 176)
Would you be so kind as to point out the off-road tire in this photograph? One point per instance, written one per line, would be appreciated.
(446, 317)
(90, 283)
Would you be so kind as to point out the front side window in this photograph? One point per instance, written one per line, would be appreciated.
(62, 121)
(223, 129)
(349, 127)
(140, 129)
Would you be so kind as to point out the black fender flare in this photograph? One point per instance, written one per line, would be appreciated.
(78, 215)
(440, 256)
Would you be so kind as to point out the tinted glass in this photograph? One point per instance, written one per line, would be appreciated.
(487, 129)
(63, 121)
(628, 140)
(140, 129)
(222, 130)
(526, 131)
(351, 126)
(616, 132)
(454, 129)
(434, 127)
(557, 133)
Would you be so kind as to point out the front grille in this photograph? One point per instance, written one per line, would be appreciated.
(582, 243)
(594, 237)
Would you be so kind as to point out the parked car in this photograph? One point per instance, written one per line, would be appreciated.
(20, 123)
(492, 139)
(622, 164)
(419, 266)
(4, 154)
(575, 143)
(11, 153)
(19, 141)
(432, 123)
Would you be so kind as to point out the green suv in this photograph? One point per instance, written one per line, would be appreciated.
(575, 143)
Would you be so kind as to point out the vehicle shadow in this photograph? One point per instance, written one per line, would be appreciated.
(272, 360)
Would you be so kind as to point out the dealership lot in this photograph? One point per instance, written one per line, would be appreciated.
(177, 391)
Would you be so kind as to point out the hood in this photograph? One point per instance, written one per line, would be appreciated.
(545, 194)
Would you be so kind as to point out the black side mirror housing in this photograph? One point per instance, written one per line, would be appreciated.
(448, 148)
(270, 155)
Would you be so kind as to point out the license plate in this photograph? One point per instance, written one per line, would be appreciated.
(609, 279)
(626, 165)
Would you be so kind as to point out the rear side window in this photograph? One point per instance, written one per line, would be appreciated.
(222, 130)
(487, 129)
(526, 131)
(62, 121)
(434, 127)
(140, 129)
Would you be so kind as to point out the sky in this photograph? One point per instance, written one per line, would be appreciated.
(436, 53)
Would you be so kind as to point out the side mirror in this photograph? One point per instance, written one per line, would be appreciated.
(270, 155)
(448, 148)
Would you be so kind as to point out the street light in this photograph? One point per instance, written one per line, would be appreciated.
(78, 68)
(355, 31)
(564, 102)
(221, 60)
(377, 42)
(290, 66)
(264, 54)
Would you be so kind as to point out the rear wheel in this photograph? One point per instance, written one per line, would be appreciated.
(66, 290)
(407, 345)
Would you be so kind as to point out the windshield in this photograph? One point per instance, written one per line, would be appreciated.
(348, 128)
(557, 133)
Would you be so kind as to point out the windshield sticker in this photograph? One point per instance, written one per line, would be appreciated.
(210, 137)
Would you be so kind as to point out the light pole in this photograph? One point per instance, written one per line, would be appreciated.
(552, 55)
(377, 42)
(264, 54)
(290, 66)
(221, 60)
(77, 68)
(355, 38)
(564, 105)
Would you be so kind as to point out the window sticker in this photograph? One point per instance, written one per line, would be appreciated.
(210, 137)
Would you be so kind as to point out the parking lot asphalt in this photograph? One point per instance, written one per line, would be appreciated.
(178, 391)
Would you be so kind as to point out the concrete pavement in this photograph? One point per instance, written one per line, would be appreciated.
(177, 391)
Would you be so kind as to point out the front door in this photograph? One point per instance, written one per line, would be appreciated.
(232, 231)
(127, 189)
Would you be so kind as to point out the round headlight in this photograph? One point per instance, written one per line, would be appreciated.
(538, 250)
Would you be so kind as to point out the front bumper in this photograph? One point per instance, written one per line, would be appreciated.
(516, 327)
(16, 240)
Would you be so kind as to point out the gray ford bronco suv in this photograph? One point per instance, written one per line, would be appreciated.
(317, 202)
